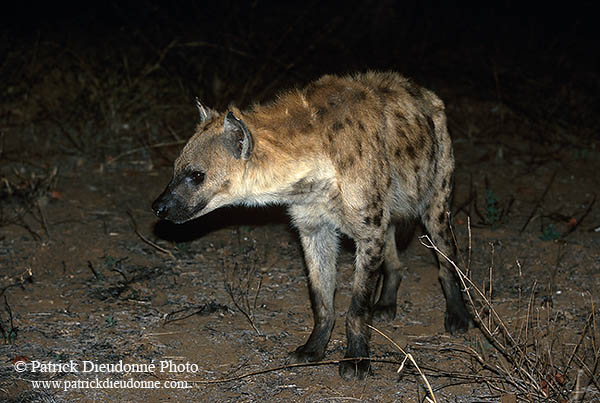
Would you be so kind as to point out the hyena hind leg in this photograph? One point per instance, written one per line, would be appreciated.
(386, 306)
(457, 318)
(320, 249)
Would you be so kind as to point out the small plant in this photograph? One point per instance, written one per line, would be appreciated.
(492, 212)
(582, 154)
(549, 233)
(183, 247)
(111, 321)
(9, 333)
(109, 261)
(239, 279)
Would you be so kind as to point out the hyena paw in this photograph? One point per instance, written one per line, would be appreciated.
(303, 354)
(384, 313)
(355, 369)
(456, 323)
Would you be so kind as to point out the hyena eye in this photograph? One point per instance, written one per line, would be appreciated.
(196, 177)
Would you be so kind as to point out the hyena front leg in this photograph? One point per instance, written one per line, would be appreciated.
(369, 257)
(435, 219)
(320, 250)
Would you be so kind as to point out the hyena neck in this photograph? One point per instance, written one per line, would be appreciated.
(284, 179)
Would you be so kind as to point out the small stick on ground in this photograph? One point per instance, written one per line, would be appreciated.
(287, 366)
(43, 218)
(146, 240)
(409, 357)
(94, 272)
(539, 202)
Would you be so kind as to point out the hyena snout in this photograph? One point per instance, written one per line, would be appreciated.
(172, 207)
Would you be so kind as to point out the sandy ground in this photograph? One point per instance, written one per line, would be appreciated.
(91, 289)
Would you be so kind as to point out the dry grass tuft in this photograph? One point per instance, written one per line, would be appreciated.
(530, 357)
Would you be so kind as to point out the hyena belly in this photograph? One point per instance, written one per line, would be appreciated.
(357, 155)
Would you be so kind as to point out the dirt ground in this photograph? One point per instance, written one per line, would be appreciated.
(88, 275)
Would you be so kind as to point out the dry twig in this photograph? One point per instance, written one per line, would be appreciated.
(146, 240)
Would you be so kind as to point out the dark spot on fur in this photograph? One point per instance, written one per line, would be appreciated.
(369, 251)
(398, 152)
(377, 219)
(330, 137)
(444, 183)
(361, 95)
(413, 90)
(410, 150)
(367, 220)
(442, 217)
(431, 125)
(416, 168)
(346, 163)
(421, 142)
(385, 90)
(321, 112)
(349, 122)
(359, 148)
(337, 126)
(402, 132)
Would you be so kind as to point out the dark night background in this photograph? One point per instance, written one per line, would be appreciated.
(525, 55)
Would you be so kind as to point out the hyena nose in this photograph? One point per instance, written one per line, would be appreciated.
(160, 207)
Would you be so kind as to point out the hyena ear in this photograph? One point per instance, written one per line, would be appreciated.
(205, 113)
(237, 137)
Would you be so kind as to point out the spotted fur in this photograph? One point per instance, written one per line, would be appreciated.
(358, 155)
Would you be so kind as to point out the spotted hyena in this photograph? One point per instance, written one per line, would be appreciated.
(357, 155)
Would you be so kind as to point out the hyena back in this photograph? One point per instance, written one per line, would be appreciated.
(356, 155)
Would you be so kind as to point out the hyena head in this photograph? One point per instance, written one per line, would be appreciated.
(209, 165)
